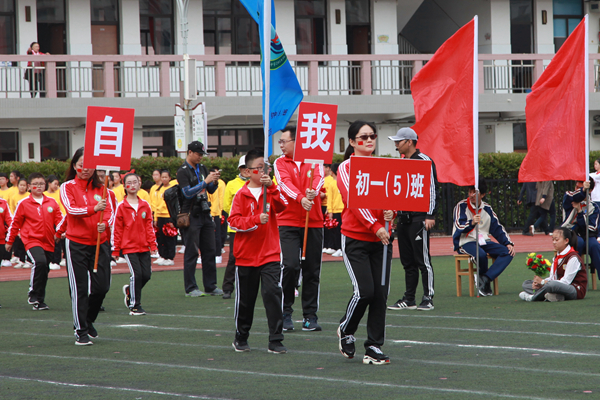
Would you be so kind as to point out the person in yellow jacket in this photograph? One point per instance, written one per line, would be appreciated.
(335, 206)
(53, 192)
(166, 244)
(153, 189)
(233, 186)
(18, 247)
(216, 210)
(327, 187)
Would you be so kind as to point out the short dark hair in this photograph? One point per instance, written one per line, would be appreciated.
(17, 173)
(22, 178)
(52, 178)
(334, 167)
(482, 186)
(132, 174)
(253, 155)
(165, 171)
(3, 175)
(36, 175)
(291, 129)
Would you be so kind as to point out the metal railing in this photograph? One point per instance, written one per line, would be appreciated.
(159, 76)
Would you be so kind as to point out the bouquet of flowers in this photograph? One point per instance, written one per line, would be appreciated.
(538, 264)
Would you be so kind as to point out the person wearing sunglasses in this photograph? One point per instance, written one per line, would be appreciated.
(300, 191)
(363, 239)
(413, 232)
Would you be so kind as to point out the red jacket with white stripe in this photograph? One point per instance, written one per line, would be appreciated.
(79, 198)
(293, 182)
(255, 244)
(357, 223)
(36, 223)
(5, 219)
(132, 231)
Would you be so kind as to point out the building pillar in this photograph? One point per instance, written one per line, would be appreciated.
(504, 138)
(79, 27)
(27, 137)
(285, 18)
(384, 27)
(336, 33)
(26, 31)
(500, 26)
(130, 27)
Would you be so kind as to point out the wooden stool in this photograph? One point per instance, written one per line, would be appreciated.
(469, 272)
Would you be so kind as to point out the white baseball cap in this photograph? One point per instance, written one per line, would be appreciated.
(242, 163)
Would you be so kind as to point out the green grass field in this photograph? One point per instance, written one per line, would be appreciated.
(467, 348)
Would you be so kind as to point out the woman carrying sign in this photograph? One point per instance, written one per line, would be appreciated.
(81, 195)
(363, 239)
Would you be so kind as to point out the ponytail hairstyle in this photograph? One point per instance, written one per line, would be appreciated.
(569, 235)
(352, 132)
(72, 173)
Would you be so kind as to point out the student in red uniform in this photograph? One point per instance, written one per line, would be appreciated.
(81, 195)
(5, 221)
(35, 219)
(132, 233)
(257, 255)
(363, 238)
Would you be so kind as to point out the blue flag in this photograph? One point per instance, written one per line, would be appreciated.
(286, 93)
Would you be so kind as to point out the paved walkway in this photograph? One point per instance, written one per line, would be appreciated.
(440, 246)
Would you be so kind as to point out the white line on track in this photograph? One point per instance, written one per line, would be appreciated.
(289, 376)
(120, 389)
(570, 335)
(489, 347)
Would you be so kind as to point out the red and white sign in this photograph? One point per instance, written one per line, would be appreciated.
(108, 138)
(389, 184)
(315, 133)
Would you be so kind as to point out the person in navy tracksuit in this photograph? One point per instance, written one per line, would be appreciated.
(466, 217)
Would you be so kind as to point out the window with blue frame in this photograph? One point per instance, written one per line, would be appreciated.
(567, 15)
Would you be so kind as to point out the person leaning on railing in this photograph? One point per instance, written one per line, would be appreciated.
(35, 72)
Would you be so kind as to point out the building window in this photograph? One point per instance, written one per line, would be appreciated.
(229, 29)
(8, 38)
(9, 146)
(156, 26)
(104, 11)
(310, 26)
(54, 145)
(520, 137)
(567, 15)
(159, 142)
(230, 142)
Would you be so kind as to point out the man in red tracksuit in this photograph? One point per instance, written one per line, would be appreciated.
(257, 254)
(5, 221)
(35, 218)
(299, 192)
(133, 234)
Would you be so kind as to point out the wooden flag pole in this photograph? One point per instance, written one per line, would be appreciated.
(104, 192)
(310, 177)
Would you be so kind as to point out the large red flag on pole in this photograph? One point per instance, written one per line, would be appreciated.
(557, 115)
(446, 101)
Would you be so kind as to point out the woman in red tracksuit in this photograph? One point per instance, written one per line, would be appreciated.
(363, 239)
(81, 195)
(35, 218)
(5, 221)
(257, 255)
(133, 234)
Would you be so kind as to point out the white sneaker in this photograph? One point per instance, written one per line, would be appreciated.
(199, 260)
(338, 253)
(159, 260)
(222, 251)
(14, 260)
(27, 264)
(181, 250)
(167, 262)
(525, 296)
(329, 251)
(154, 255)
(296, 293)
(6, 263)
(18, 264)
(531, 229)
(218, 260)
(63, 263)
(325, 250)
(113, 264)
(121, 260)
(54, 266)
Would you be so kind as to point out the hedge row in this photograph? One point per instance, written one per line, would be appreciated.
(491, 165)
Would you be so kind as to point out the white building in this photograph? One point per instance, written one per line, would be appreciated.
(359, 54)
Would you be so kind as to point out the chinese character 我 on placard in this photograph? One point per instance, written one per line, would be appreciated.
(315, 127)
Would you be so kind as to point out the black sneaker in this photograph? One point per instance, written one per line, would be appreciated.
(40, 307)
(375, 356)
(102, 308)
(127, 295)
(426, 305)
(226, 295)
(92, 332)
(276, 347)
(346, 344)
(83, 340)
(32, 301)
(137, 311)
(288, 324)
(403, 304)
(484, 286)
(310, 324)
(240, 346)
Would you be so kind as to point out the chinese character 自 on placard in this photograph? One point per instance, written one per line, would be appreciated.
(109, 137)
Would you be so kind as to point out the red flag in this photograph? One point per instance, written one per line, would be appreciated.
(557, 116)
(445, 94)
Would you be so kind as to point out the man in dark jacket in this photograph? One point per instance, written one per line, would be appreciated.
(528, 194)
